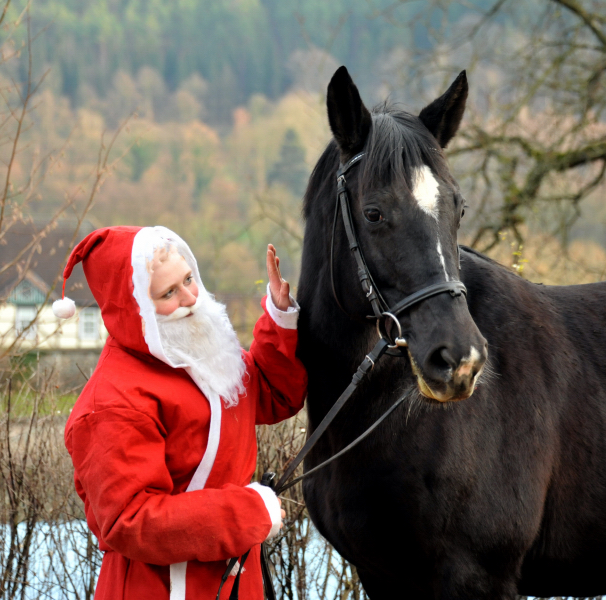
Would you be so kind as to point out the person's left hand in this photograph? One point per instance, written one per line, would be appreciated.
(278, 287)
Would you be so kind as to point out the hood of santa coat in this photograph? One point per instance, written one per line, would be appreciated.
(115, 262)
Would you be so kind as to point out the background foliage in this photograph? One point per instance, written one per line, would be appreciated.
(228, 119)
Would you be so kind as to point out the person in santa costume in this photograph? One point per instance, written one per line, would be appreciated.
(162, 437)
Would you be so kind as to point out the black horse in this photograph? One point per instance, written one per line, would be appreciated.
(498, 494)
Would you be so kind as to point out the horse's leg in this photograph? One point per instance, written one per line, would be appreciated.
(379, 587)
(461, 577)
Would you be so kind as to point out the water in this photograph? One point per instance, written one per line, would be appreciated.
(64, 563)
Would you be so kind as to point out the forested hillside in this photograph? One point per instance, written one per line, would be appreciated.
(223, 102)
(236, 47)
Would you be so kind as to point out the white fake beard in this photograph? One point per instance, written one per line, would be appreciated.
(207, 343)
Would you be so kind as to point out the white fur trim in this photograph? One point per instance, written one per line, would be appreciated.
(64, 308)
(178, 570)
(198, 481)
(177, 581)
(286, 319)
(145, 242)
(271, 504)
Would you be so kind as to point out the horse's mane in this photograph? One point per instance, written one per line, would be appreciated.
(397, 144)
(493, 263)
(478, 254)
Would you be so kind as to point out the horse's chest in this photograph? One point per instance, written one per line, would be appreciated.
(424, 488)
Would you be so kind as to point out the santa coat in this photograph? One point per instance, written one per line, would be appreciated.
(140, 429)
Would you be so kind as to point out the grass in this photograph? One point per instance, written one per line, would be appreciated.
(23, 404)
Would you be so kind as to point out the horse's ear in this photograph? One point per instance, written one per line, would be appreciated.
(348, 117)
(443, 116)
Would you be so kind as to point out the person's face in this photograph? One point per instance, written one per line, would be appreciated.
(172, 284)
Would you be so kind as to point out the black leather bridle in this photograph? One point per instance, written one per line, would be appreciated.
(381, 312)
(380, 307)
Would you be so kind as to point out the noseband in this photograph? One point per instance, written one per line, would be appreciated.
(380, 307)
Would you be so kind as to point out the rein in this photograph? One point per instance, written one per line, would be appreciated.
(381, 311)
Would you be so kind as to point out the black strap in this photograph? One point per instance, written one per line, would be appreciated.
(455, 288)
(235, 590)
(370, 288)
(332, 260)
(349, 446)
(368, 285)
(230, 566)
(236, 587)
(270, 594)
(349, 164)
(379, 306)
(367, 364)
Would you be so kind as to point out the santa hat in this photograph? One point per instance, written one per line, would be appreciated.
(115, 262)
(66, 307)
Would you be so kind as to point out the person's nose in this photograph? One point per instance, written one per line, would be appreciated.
(187, 298)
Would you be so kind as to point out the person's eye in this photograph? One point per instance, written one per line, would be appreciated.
(189, 279)
(169, 294)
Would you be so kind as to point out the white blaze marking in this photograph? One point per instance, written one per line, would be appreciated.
(443, 262)
(425, 191)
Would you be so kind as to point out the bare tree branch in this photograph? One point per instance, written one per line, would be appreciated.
(588, 18)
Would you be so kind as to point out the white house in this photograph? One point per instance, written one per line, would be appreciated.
(31, 266)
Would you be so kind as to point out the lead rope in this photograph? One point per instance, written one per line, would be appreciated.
(268, 478)
(235, 590)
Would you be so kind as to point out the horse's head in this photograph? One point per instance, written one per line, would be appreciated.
(406, 209)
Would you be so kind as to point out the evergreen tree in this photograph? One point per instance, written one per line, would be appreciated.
(290, 169)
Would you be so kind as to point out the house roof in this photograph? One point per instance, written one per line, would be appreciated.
(29, 252)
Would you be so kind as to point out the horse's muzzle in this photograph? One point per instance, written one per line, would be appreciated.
(450, 376)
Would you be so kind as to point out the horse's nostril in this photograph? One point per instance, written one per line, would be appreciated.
(441, 360)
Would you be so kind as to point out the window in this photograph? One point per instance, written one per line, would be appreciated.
(89, 323)
(25, 315)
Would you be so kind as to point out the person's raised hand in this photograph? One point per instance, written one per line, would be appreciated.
(278, 287)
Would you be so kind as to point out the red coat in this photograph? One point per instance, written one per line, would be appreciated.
(136, 436)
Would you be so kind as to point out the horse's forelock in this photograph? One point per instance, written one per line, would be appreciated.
(397, 145)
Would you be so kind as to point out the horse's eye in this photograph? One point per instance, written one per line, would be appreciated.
(373, 215)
